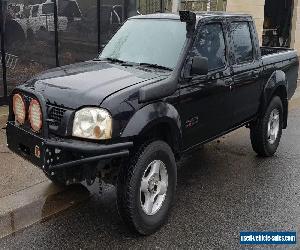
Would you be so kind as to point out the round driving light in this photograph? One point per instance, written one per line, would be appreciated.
(35, 115)
(19, 108)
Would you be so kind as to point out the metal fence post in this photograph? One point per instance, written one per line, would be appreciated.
(161, 6)
(131, 7)
(98, 25)
(56, 33)
(2, 31)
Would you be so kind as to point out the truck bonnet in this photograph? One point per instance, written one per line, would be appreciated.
(86, 84)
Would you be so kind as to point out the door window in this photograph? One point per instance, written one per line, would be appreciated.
(243, 48)
(210, 43)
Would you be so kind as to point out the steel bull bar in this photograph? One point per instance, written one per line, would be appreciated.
(104, 150)
(53, 153)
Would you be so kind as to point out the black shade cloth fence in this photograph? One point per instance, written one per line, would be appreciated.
(37, 35)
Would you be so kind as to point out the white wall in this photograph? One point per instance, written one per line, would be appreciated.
(252, 7)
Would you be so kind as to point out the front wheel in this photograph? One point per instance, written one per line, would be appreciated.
(266, 132)
(146, 188)
(56, 180)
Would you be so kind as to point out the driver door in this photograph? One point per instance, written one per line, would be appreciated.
(205, 100)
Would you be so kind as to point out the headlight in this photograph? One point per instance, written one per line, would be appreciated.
(92, 123)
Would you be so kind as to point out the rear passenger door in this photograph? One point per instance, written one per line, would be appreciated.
(246, 68)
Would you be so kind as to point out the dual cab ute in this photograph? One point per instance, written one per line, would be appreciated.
(164, 84)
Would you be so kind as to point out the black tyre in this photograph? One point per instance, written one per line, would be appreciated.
(146, 188)
(56, 180)
(266, 132)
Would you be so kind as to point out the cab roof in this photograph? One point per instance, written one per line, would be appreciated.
(199, 15)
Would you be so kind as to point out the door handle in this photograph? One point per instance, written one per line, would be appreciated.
(228, 81)
(255, 74)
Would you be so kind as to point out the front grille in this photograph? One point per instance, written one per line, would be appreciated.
(55, 115)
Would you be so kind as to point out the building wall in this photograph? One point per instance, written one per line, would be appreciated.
(256, 9)
(253, 7)
(295, 32)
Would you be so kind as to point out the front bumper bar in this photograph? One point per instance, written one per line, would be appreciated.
(54, 154)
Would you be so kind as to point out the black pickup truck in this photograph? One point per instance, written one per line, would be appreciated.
(163, 85)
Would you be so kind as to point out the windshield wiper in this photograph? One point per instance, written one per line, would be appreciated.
(124, 63)
(155, 66)
(115, 60)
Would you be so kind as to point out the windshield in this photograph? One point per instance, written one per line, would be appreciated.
(149, 41)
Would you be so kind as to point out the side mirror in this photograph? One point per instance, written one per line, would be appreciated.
(199, 66)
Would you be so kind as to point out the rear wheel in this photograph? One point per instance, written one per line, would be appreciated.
(146, 188)
(266, 132)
